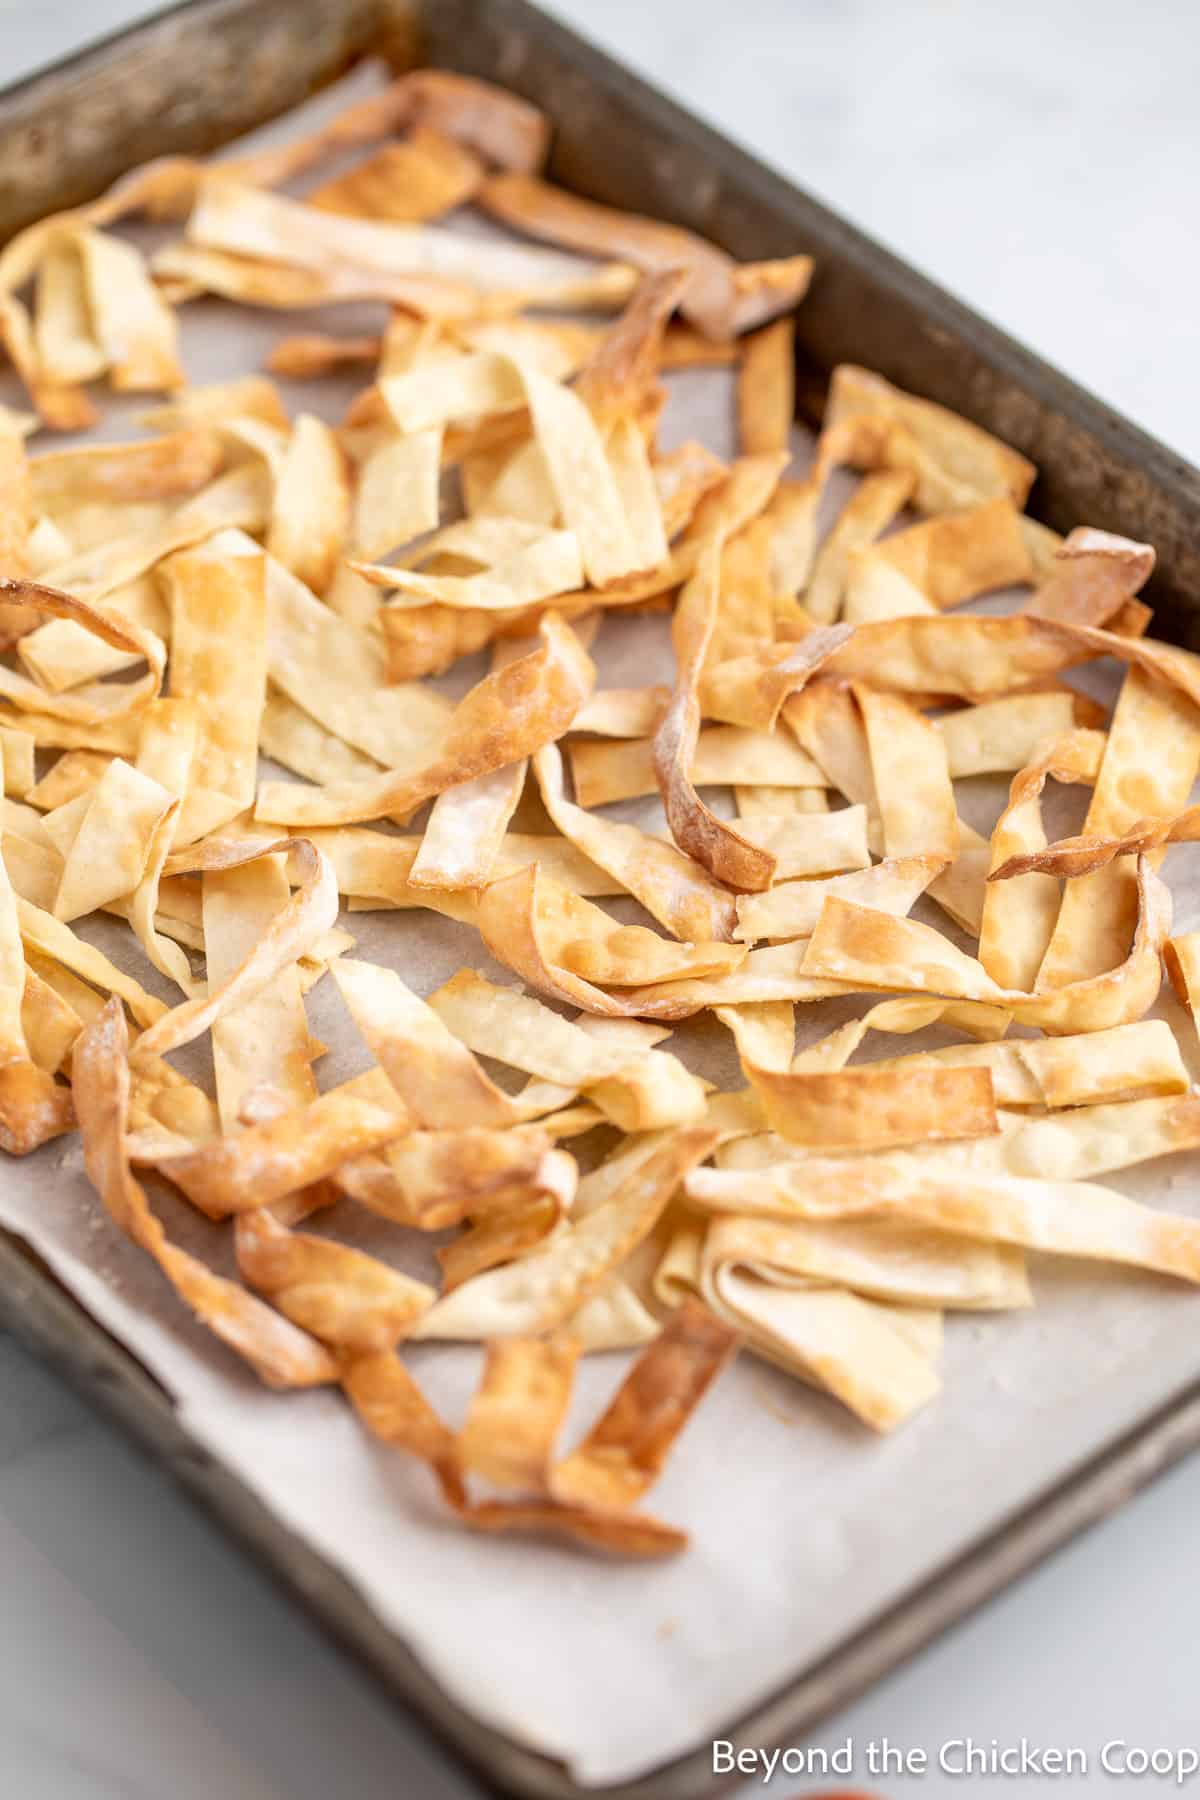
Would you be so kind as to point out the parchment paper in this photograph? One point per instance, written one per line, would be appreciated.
(804, 1525)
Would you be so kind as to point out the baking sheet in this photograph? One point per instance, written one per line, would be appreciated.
(803, 1524)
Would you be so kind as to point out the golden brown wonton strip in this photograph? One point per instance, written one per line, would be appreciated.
(512, 712)
(279, 1352)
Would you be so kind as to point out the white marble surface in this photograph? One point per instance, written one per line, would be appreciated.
(1040, 160)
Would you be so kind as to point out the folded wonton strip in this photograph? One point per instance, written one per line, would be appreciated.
(547, 565)
(1061, 1217)
(956, 463)
(310, 913)
(939, 563)
(514, 1421)
(110, 831)
(541, 1291)
(434, 1074)
(638, 1089)
(267, 1162)
(265, 1039)
(509, 714)
(730, 858)
(750, 690)
(92, 706)
(854, 944)
(572, 950)
(279, 1352)
(350, 1301)
(881, 1259)
(676, 891)
(792, 909)
(876, 1359)
(433, 1179)
(1091, 576)
(1019, 917)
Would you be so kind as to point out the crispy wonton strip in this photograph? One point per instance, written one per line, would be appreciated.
(1150, 762)
(571, 949)
(676, 891)
(871, 1109)
(1062, 1218)
(624, 1452)
(280, 1353)
(873, 950)
(33, 1107)
(729, 857)
(310, 912)
(1091, 577)
(766, 395)
(509, 714)
(792, 909)
(1019, 916)
(542, 1290)
(350, 1301)
(269, 1161)
(956, 463)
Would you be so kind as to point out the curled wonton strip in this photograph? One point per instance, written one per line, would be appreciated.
(97, 704)
(508, 715)
(638, 1087)
(1084, 854)
(571, 950)
(1092, 575)
(1018, 922)
(346, 1299)
(713, 299)
(542, 1290)
(270, 1161)
(434, 1179)
(676, 891)
(956, 463)
(279, 1352)
(791, 910)
(311, 911)
(436, 1077)
(854, 944)
(728, 856)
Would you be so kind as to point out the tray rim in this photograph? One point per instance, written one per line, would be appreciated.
(39, 1310)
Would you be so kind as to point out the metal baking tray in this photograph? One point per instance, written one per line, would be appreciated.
(205, 72)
